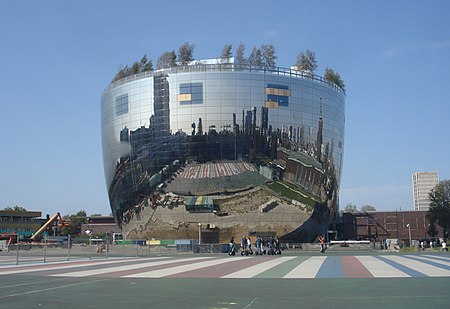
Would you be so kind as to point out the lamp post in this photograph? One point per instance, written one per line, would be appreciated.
(89, 233)
(409, 232)
(199, 233)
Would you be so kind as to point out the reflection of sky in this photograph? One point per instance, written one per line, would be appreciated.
(225, 93)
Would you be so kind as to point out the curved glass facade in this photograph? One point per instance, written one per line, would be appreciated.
(237, 150)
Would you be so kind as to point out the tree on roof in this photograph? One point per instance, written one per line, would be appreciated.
(368, 208)
(306, 61)
(186, 53)
(166, 60)
(226, 53)
(334, 77)
(255, 59)
(268, 55)
(240, 58)
(135, 68)
(15, 208)
(145, 64)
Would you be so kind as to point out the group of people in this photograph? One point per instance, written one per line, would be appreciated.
(273, 246)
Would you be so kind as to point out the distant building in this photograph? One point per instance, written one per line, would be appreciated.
(100, 225)
(23, 223)
(423, 183)
(380, 225)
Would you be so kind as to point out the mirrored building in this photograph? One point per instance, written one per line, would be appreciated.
(232, 150)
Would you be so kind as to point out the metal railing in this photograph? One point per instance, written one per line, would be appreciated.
(200, 67)
(32, 253)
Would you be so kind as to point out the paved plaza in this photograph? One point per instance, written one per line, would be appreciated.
(293, 280)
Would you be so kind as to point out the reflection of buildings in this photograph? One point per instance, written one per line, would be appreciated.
(423, 183)
(155, 125)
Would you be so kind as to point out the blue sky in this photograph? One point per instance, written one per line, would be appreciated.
(57, 57)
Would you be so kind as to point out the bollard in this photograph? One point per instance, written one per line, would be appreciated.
(68, 247)
(17, 253)
(45, 248)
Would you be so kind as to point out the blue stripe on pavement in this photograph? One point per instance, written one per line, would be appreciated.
(407, 270)
(437, 264)
(331, 268)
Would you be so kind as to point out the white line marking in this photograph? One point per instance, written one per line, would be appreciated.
(53, 288)
(307, 269)
(101, 271)
(180, 269)
(438, 261)
(50, 267)
(251, 303)
(254, 270)
(429, 270)
(380, 269)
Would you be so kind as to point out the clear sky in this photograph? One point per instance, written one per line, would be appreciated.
(56, 58)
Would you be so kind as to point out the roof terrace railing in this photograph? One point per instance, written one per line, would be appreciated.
(200, 67)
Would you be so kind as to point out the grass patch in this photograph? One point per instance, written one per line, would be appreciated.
(288, 191)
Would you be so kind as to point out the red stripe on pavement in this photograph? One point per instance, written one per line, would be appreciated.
(352, 268)
(217, 271)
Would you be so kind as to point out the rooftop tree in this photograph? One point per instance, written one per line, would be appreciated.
(135, 68)
(240, 59)
(185, 53)
(255, 59)
(306, 61)
(123, 72)
(268, 55)
(226, 53)
(145, 64)
(167, 60)
(334, 77)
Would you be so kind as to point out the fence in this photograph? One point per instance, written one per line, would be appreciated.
(76, 249)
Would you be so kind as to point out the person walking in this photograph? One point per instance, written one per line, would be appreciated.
(232, 250)
(322, 244)
(249, 246)
(444, 246)
(243, 245)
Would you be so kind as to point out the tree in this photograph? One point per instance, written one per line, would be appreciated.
(185, 53)
(226, 53)
(135, 68)
(306, 61)
(432, 231)
(350, 208)
(167, 60)
(334, 77)
(439, 211)
(240, 59)
(145, 64)
(268, 55)
(75, 222)
(255, 58)
(367, 208)
(123, 72)
(15, 208)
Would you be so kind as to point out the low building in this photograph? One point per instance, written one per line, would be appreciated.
(100, 225)
(380, 225)
(23, 223)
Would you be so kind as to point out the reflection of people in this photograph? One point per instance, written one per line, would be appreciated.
(444, 246)
(388, 244)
